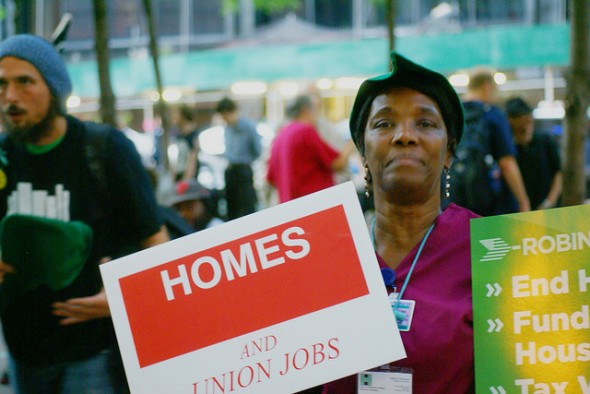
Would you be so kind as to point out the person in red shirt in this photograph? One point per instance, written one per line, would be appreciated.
(300, 162)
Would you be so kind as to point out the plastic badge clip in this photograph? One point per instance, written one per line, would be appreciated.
(388, 276)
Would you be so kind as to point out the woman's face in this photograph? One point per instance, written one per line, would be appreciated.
(406, 145)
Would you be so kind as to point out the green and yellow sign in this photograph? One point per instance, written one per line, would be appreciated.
(531, 297)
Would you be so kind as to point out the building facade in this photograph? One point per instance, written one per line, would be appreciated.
(264, 57)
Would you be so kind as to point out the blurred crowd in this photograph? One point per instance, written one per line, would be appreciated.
(202, 152)
(105, 192)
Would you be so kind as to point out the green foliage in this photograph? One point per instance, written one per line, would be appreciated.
(231, 6)
(277, 5)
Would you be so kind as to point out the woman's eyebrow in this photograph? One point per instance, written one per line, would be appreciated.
(383, 110)
(429, 109)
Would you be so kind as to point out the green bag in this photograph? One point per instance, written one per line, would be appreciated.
(43, 251)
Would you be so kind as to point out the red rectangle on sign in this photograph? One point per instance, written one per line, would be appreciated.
(244, 285)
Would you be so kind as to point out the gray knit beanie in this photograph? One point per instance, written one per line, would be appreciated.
(43, 55)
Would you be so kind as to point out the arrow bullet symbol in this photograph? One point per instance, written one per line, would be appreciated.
(495, 325)
(499, 390)
(493, 289)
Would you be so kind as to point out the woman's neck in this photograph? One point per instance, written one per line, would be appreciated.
(398, 229)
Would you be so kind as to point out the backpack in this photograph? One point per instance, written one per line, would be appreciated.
(96, 154)
(96, 157)
(475, 175)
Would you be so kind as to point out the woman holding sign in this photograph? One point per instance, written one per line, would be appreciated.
(406, 125)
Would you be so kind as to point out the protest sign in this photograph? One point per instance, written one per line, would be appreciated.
(278, 301)
(531, 286)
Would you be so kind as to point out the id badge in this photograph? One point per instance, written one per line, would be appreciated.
(391, 380)
(403, 311)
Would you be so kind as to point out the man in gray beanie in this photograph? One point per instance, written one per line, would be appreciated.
(55, 168)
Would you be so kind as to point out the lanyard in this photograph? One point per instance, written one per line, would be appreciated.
(418, 253)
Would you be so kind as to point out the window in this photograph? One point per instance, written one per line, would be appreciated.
(82, 27)
(207, 17)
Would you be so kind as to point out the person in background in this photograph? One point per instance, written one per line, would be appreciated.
(406, 125)
(184, 120)
(196, 204)
(301, 162)
(242, 148)
(62, 340)
(337, 136)
(538, 156)
(175, 224)
(482, 90)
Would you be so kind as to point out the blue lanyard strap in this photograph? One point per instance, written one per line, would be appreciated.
(418, 253)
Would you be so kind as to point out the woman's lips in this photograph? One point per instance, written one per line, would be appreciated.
(404, 159)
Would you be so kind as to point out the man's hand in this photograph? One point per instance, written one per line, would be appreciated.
(5, 269)
(78, 310)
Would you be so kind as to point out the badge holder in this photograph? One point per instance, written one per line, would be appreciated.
(385, 379)
(403, 311)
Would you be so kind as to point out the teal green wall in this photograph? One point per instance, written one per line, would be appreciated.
(500, 47)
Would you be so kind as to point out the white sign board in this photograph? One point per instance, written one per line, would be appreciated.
(278, 301)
